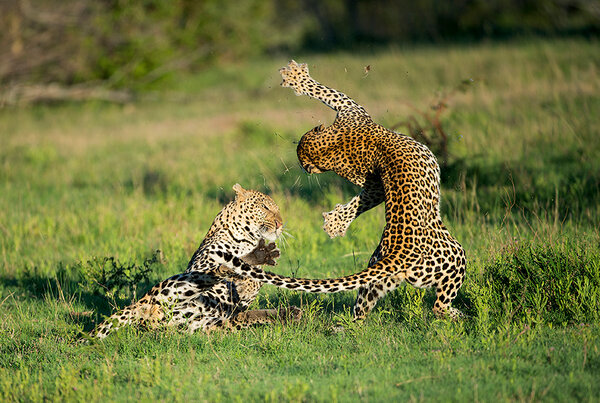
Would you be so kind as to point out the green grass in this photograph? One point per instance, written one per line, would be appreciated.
(84, 182)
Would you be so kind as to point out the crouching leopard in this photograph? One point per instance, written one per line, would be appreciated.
(393, 168)
(209, 296)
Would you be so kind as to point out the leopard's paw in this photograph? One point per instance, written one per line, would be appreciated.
(449, 313)
(290, 314)
(334, 223)
(292, 75)
(263, 254)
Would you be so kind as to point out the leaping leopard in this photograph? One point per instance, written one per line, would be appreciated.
(390, 167)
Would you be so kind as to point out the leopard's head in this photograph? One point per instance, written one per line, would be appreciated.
(256, 214)
(315, 148)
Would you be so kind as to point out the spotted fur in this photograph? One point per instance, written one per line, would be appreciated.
(415, 246)
(207, 295)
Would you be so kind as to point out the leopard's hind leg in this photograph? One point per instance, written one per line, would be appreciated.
(446, 291)
(262, 316)
(368, 296)
(144, 312)
(449, 279)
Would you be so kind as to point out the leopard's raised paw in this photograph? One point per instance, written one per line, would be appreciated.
(263, 254)
(292, 74)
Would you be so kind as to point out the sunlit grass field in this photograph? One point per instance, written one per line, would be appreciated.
(521, 191)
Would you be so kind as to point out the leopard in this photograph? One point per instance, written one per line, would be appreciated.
(390, 168)
(209, 296)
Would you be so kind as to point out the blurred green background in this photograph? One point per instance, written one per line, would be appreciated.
(139, 44)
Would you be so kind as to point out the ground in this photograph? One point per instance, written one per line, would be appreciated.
(81, 183)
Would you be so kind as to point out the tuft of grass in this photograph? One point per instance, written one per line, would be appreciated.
(551, 285)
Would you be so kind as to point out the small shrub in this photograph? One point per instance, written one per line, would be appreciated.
(109, 277)
(545, 284)
(426, 125)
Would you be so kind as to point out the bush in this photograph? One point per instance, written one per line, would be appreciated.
(127, 44)
(544, 284)
(116, 280)
(135, 43)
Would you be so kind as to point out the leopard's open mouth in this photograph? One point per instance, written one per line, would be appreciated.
(311, 169)
(271, 234)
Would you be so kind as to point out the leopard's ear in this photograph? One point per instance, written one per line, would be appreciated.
(240, 192)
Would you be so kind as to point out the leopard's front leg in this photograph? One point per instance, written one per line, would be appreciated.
(296, 76)
(263, 254)
(337, 221)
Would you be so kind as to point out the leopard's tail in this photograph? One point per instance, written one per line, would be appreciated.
(372, 274)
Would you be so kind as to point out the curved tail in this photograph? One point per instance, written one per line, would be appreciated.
(371, 274)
